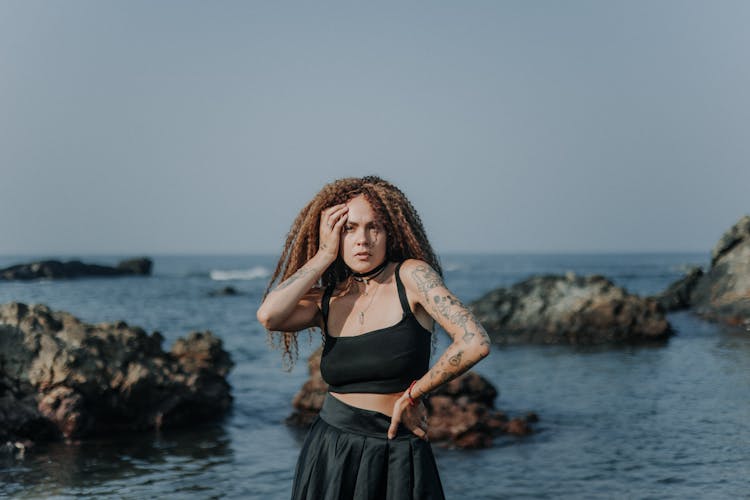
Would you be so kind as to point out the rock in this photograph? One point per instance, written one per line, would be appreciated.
(309, 400)
(15, 449)
(60, 377)
(460, 413)
(677, 296)
(54, 269)
(141, 266)
(570, 309)
(737, 235)
(723, 293)
(224, 292)
(518, 427)
(19, 416)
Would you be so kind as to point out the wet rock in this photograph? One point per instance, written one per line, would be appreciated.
(60, 377)
(55, 269)
(570, 309)
(723, 293)
(19, 417)
(518, 427)
(227, 291)
(309, 400)
(15, 449)
(677, 296)
(140, 266)
(460, 413)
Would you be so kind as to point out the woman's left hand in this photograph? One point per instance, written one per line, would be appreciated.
(413, 417)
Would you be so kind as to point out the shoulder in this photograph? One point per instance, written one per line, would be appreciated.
(419, 276)
(410, 266)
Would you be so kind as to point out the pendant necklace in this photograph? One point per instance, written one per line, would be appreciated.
(363, 311)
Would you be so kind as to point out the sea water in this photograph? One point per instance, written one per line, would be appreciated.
(657, 421)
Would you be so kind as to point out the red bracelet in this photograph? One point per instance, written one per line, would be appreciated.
(412, 401)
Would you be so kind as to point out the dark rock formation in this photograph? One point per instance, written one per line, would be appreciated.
(141, 266)
(677, 296)
(460, 413)
(54, 269)
(723, 293)
(309, 400)
(60, 377)
(224, 292)
(569, 310)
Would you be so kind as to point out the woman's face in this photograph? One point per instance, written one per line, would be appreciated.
(363, 240)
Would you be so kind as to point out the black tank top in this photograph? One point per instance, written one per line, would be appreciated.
(382, 361)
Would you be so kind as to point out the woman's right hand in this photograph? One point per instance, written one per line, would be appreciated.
(332, 219)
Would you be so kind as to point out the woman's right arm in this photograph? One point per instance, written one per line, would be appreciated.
(291, 307)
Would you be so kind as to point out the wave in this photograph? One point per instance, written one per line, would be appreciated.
(451, 267)
(254, 273)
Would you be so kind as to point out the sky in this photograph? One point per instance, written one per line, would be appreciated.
(163, 127)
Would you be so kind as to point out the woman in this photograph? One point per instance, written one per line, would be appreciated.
(357, 265)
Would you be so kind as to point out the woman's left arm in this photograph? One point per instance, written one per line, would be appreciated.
(470, 340)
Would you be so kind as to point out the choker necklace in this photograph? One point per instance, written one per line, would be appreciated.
(370, 275)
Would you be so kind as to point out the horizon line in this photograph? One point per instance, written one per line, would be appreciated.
(67, 254)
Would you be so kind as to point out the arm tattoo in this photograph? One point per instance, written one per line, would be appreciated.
(454, 311)
(298, 275)
(455, 360)
(447, 306)
(426, 279)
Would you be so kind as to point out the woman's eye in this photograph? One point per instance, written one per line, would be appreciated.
(348, 228)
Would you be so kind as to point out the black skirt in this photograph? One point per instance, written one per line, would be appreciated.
(347, 455)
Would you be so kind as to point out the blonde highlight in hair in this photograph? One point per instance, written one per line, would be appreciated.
(405, 236)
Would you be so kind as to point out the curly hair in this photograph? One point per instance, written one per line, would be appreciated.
(405, 236)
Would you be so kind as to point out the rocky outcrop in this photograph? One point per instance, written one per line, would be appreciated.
(60, 377)
(723, 293)
(460, 413)
(569, 309)
(54, 269)
(309, 400)
(677, 296)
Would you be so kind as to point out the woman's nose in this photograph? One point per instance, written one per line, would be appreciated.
(362, 237)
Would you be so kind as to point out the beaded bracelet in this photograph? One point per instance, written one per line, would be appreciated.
(412, 401)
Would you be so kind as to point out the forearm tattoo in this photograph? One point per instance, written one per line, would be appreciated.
(296, 276)
(455, 360)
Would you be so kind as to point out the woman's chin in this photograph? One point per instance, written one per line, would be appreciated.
(362, 264)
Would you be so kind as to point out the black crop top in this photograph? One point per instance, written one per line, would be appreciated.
(382, 361)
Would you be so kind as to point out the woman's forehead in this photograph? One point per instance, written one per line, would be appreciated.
(360, 210)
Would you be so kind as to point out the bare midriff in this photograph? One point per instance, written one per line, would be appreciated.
(382, 403)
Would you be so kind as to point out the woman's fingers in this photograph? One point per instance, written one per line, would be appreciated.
(415, 419)
(395, 419)
(337, 217)
(331, 220)
(398, 408)
(420, 433)
(341, 221)
(332, 215)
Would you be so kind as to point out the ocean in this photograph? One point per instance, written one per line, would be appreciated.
(657, 421)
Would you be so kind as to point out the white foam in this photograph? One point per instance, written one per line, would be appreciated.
(254, 273)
